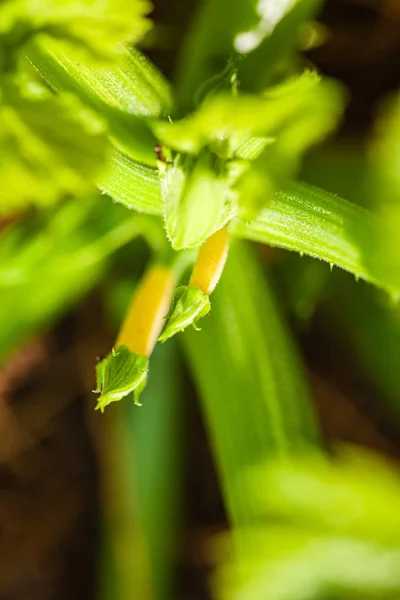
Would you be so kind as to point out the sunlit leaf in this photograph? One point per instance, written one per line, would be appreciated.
(311, 221)
(330, 528)
(124, 94)
(251, 386)
(135, 185)
(88, 29)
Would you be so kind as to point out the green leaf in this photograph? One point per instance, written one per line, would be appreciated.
(124, 94)
(272, 130)
(49, 148)
(190, 304)
(132, 84)
(135, 185)
(85, 29)
(310, 221)
(197, 199)
(119, 374)
(329, 528)
(355, 495)
(250, 383)
(48, 262)
(299, 565)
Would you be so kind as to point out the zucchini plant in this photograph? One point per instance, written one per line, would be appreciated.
(97, 148)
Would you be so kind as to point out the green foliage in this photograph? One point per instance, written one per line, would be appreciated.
(89, 29)
(78, 109)
(314, 222)
(336, 536)
(54, 147)
(49, 148)
(47, 263)
(251, 385)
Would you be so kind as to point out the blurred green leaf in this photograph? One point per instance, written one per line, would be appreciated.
(88, 29)
(299, 565)
(48, 263)
(355, 495)
(249, 379)
(331, 529)
(49, 148)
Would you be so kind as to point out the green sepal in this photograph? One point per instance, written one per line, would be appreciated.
(119, 374)
(190, 304)
(197, 197)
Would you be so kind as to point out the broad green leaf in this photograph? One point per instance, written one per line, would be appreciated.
(250, 384)
(197, 199)
(190, 304)
(330, 528)
(49, 148)
(143, 464)
(88, 29)
(260, 33)
(119, 374)
(314, 222)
